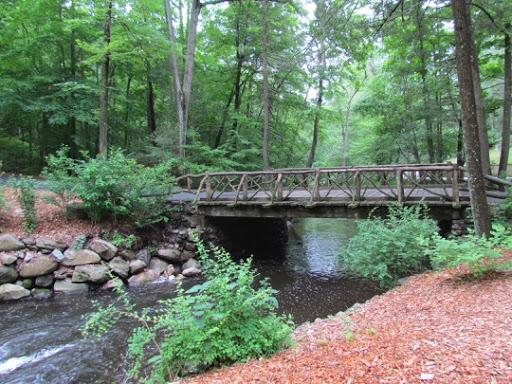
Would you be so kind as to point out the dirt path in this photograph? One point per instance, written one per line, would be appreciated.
(434, 329)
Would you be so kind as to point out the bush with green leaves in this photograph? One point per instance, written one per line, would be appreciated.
(114, 186)
(228, 318)
(480, 254)
(386, 249)
(26, 190)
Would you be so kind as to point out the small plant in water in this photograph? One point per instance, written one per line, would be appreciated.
(224, 320)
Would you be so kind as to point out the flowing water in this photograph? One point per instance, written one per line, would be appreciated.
(40, 341)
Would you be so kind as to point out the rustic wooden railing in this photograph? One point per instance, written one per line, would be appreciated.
(403, 183)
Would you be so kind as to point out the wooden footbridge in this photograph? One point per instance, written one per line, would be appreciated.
(334, 192)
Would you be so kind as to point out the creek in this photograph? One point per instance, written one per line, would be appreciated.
(40, 341)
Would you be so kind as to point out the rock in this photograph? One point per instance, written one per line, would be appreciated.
(402, 281)
(90, 273)
(57, 255)
(39, 265)
(170, 271)
(111, 284)
(170, 255)
(8, 258)
(158, 265)
(68, 287)
(186, 255)
(190, 247)
(144, 255)
(128, 255)
(63, 273)
(45, 281)
(8, 274)
(190, 272)
(41, 293)
(28, 241)
(12, 292)
(192, 263)
(119, 266)
(27, 283)
(73, 257)
(50, 244)
(9, 243)
(146, 277)
(106, 250)
(136, 266)
(28, 256)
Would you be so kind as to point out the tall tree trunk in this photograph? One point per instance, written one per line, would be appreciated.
(266, 93)
(150, 105)
(127, 111)
(507, 101)
(240, 58)
(73, 61)
(463, 41)
(220, 131)
(173, 59)
(460, 145)
(102, 139)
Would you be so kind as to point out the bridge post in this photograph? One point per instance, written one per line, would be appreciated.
(279, 187)
(208, 185)
(316, 192)
(400, 185)
(245, 187)
(357, 186)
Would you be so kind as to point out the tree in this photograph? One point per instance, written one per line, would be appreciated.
(464, 51)
(105, 63)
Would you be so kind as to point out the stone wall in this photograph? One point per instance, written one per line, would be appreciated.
(41, 267)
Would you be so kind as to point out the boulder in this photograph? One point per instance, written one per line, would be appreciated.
(111, 284)
(186, 255)
(158, 265)
(128, 255)
(9, 243)
(119, 266)
(106, 250)
(28, 241)
(63, 273)
(8, 274)
(191, 272)
(68, 287)
(144, 255)
(73, 257)
(192, 263)
(50, 244)
(8, 258)
(90, 273)
(146, 277)
(170, 255)
(57, 255)
(170, 271)
(190, 247)
(45, 281)
(26, 283)
(136, 266)
(41, 293)
(12, 292)
(39, 265)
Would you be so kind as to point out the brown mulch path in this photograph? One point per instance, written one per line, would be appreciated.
(51, 220)
(434, 329)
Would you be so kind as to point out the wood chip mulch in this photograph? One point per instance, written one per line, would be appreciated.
(437, 328)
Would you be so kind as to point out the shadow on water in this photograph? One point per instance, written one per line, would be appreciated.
(40, 341)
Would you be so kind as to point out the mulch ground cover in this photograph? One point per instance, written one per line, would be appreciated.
(437, 328)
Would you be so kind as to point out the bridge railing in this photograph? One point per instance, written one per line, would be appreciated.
(402, 183)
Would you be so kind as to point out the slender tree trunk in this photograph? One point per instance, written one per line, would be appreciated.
(463, 41)
(238, 78)
(102, 139)
(266, 93)
(127, 112)
(150, 105)
(73, 61)
(347, 125)
(460, 145)
(220, 131)
(507, 101)
(173, 59)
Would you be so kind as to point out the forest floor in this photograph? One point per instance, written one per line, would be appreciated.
(440, 327)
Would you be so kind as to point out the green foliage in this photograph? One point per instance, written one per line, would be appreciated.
(2, 200)
(386, 249)
(118, 239)
(479, 253)
(113, 187)
(26, 190)
(228, 318)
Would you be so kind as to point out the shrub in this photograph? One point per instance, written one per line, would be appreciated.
(26, 189)
(386, 249)
(224, 320)
(479, 253)
(114, 186)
